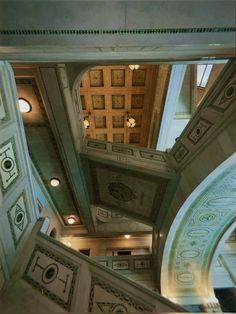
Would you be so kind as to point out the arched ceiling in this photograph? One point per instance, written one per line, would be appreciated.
(195, 233)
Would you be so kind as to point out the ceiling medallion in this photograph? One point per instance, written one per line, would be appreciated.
(121, 191)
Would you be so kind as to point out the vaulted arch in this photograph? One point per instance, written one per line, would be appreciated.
(206, 216)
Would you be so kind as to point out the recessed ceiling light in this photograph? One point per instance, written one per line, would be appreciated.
(24, 105)
(71, 220)
(55, 182)
(127, 236)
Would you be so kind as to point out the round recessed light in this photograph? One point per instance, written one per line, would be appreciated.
(24, 105)
(127, 236)
(71, 220)
(55, 182)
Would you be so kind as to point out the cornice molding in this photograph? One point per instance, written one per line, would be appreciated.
(144, 31)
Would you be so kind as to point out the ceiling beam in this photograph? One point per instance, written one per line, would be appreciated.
(61, 128)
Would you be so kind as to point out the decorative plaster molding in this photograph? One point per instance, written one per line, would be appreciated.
(118, 294)
(101, 32)
(206, 215)
(19, 218)
(52, 275)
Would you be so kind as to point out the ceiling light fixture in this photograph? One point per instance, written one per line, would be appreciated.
(134, 67)
(24, 105)
(71, 220)
(86, 123)
(130, 122)
(86, 120)
(127, 236)
(55, 182)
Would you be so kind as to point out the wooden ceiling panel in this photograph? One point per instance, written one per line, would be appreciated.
(139, 77)
(96, 78)
(100, 122)
(118, 137)
(137, 101)
(134, 138)
(98, 102)
(118, 77)
(118, 101)
(118, 121)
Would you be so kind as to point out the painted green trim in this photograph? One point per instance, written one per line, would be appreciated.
(145, 31)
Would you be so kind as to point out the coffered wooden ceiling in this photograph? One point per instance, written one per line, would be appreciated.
(110, 93)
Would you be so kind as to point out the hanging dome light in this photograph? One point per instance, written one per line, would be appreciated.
(134, 67)
(86, 123)
(130, 122)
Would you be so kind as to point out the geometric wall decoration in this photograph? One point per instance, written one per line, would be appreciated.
(226, 99)
(111, 307)
(122, 149)
(8, 164)
(52, 275)
(119, 302)
(152, 155)
(142, 264)
(18, 218)
(97, 145)
(199, 130)
(120, 265)
(180, 153)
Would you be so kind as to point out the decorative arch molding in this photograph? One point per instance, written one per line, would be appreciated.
(204, 220)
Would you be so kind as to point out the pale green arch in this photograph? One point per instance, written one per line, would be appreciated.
(208, 214)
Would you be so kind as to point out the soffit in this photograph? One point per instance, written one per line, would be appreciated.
(42, 146)
(130, 191)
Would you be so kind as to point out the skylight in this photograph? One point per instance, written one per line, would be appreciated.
(203, 73)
